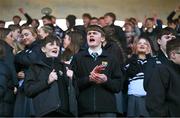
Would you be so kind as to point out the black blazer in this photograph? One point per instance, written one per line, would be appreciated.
(96, 97)
(163, 96)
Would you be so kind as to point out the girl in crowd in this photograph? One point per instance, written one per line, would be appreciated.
(44, 31)
(14, 39)
(135, 73)
(30, 55)
(72, 44)
(47, 82)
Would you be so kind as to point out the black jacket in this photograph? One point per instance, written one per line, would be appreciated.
(163, 96)
(47, 97)
(113, 48)
(9, 60)
(31, 54)
(7, 96)
(96, 97)
(151, 64)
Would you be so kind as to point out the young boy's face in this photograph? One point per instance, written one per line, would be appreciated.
(164, 39)
(51, 49)
(16, 33)
(108, 20)
(94, 39)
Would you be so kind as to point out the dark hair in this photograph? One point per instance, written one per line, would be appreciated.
(76, 41)
(14, 27)
(102, 17)
(129, 23)
(96, 28)
(4, 32)
(144, 36)
(151, 19)
(52, 17)
(72, 20)
(50, 39)
(86, 15)
(37, 22)
(16, 16)
(109, 31)
(172, 45)
(175, 21)
(48, 17)
(133, 20)
(2, 22)
(112, 15)
(166, 31)
(94, 18)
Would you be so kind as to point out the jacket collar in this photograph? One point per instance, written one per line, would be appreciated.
(32, 45)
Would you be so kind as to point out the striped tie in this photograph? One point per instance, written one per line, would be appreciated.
(94, 55)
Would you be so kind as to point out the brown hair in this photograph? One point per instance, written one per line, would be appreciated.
(76, 41)
(74, 46)
(31, 29)
(50, 39)
(112, 15)
(16, 16)
(96, 28)
(136, 42)
(86, 15)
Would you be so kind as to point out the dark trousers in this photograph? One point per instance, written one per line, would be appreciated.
(100, 115)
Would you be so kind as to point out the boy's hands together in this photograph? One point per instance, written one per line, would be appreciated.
(96, 75)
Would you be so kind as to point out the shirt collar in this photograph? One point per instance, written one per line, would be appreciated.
(91, 51)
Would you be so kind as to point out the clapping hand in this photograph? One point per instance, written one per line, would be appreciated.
(96, 75)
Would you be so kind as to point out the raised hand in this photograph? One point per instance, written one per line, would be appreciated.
(21, 10)
(177, 9)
